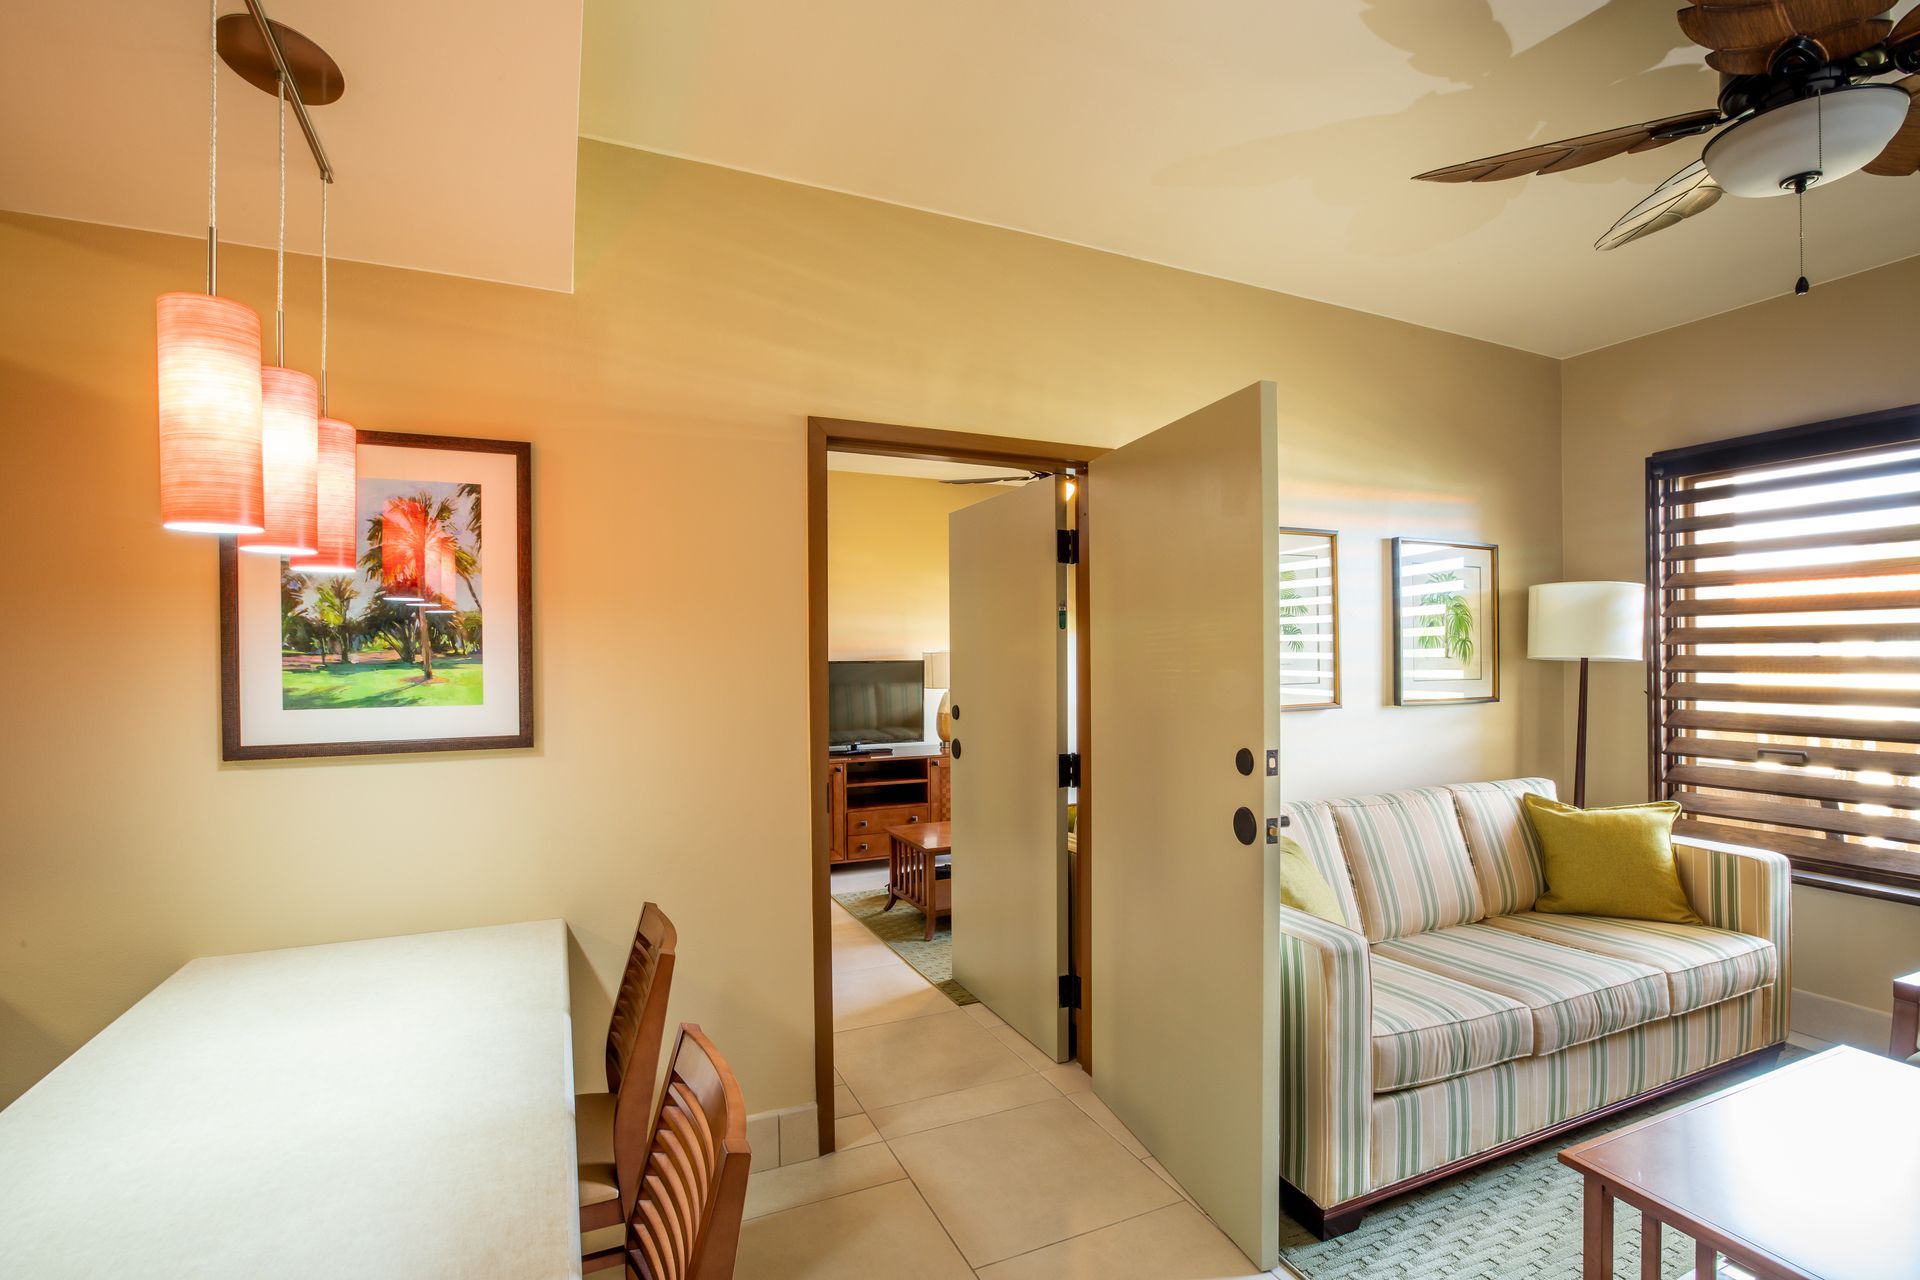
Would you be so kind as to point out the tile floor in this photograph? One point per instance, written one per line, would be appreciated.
(965, 1152)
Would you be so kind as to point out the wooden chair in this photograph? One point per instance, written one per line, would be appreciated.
(1906, 1019)
(685, 1223)
(610, 1128)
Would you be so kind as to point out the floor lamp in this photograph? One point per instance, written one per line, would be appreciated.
(1587, 622)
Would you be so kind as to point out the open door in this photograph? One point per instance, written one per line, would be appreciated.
(1186, 725)
(1007, 631)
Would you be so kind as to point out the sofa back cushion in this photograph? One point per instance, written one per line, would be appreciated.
(1505, 850)
(1310, 823)
(1411, 870)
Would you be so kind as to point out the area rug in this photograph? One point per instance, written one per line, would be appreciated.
(901, 929)
(1515, 1219)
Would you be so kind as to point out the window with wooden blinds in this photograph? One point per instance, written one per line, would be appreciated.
(1784, 629)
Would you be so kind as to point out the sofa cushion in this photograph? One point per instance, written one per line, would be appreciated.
(1574, 995)
(1310, 823)
(1504, 847)
(1410, 866)
(1429, 1027)
(1703, 966)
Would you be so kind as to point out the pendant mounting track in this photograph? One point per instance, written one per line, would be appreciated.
(263, 52)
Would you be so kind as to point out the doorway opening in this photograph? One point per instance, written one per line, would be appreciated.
(953, 813)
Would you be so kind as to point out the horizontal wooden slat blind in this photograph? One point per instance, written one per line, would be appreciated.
(1785, 621)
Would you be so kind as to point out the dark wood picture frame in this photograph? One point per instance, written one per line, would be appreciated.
(231, 746)
(1333, 614)
(1491, 631)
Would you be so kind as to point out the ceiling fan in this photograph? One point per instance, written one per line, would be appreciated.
(1797, 106)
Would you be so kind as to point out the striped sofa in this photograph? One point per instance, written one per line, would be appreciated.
(1444, 1020)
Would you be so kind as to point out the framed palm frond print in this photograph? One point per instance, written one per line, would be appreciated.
(1446, 614)
(425, 643)
(1309, 619)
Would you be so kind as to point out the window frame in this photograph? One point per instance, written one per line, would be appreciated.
(1783, 447)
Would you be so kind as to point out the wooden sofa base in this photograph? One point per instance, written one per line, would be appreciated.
(1325, 1224)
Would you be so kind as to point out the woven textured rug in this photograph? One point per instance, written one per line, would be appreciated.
(1515, 1219)
(900, 929)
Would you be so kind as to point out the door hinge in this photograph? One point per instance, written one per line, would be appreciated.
(1067, 546)
(1069, 991)
(1070, 769)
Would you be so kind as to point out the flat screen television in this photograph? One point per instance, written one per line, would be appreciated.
(874, 703)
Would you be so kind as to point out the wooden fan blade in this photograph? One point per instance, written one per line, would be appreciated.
(1678, 198)
(1767, 24)
(1901, 157)
(1570, 153)
(1909, 28)
(1838, 42)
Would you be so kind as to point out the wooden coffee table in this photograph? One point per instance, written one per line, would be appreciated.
(1809, 1172)
(919, 869)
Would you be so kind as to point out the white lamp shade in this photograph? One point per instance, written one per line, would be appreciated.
(1567, 621)
(939, 669)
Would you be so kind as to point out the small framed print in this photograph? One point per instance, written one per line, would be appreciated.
(426, 646)
(1309, 619)
(1446, 610)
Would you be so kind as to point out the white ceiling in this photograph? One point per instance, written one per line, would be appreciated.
(1258, 141)
(454, 144)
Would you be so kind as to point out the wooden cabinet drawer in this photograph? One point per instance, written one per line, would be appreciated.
(874, 822)
(862, 848)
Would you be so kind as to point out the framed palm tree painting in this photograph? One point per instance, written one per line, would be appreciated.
(1446, 611)
(424, 644)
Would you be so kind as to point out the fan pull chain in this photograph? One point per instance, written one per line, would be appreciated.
(1800, 287)
(280, 262)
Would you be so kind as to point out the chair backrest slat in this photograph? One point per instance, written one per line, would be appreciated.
(634, 1034)
(684, 1223)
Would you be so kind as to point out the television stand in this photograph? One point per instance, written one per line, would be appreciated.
(876, 788)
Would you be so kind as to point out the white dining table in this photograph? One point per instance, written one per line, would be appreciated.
(397, 1107)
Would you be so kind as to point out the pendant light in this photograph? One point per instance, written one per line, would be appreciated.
(209, 383)
(337, 479)
(289, 418)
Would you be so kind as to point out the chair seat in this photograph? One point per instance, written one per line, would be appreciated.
(1573, 995)
(1428, 1027)
(593, 1140)
(1703, 966)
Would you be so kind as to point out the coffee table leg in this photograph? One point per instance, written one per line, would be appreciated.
(1649, 1247)
(1596, 1248)
(1706, 1263)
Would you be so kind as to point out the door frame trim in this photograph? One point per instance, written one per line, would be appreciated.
(845, 435)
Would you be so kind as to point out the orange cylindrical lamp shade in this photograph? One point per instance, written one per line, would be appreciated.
(289, 457)
(402, 550)
(336, 501)
(210, 472)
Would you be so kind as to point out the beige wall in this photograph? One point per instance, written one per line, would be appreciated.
(666, 400)
(1845, 348)
(887, 562)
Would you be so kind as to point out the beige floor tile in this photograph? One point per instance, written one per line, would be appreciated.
(863, 953)
(984, 1016)
(1022, 1048)
(830, 1175)
(854, 1131)
(844, 1103)
(1010, 1183)
(1174, 1243)
(1160, 1171)
(895, 1062)
(881, 1233)
(904, 1118)
(1068, 1077)
(1101, 1114)
(866, 997)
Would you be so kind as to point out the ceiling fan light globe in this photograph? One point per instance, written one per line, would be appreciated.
(1832, 136)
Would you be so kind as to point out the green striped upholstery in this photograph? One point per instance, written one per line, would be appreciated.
(1326, 1078)
(1506, 852)
(1411, 872)
(1703, 966)
(1414, 1130)
(1310, 823)
(1747, 891)
(1427, 1027)
(1575, 996)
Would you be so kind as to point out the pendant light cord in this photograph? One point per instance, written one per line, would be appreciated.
(213, 138)
(323, 295)
(280, 263)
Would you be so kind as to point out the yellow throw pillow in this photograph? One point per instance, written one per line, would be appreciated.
(1613, 861)
(1303, 888)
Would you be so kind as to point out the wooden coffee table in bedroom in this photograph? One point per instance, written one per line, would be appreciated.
(1809, 1172)
(919, 869)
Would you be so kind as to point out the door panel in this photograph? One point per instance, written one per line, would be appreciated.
(1185, 674)
(1009, 728)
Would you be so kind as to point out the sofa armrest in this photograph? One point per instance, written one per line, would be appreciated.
(1746, 891)
(1326, 1057)
(1906, 1019)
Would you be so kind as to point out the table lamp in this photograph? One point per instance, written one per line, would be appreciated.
(1591, 622)
(940, 676)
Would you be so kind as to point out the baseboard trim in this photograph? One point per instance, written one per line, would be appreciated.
(1840, 1022)
(784, 1137)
